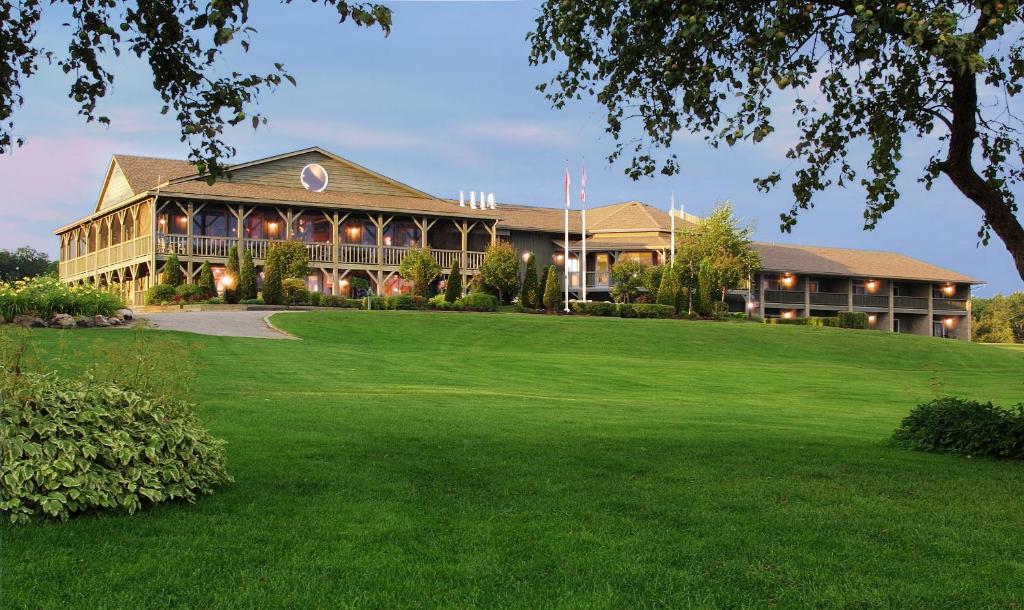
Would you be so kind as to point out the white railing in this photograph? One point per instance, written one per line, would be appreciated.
(320, 251)
(212, 246)
(171, 244)
(257, 247)
(112, 255)
(393, 255)
(474, 259)
(357, 253)
(446, 258)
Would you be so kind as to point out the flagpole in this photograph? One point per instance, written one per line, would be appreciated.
(565, 245)
(583, 219)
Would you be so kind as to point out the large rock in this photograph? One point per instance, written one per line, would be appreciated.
(115, 321)
(29, 321)
(126, 314)
(100, 321)
(61, 320)
(83, 321)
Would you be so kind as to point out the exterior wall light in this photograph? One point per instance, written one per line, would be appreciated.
(949, 322)
(948, 290)
(788, 315)
(872, 319)
(788, 280)
(871, 285)
(526, 256)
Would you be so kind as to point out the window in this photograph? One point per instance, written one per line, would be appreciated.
(172, 222)
(896, 325)
(402, 234)
(644, 258)
(313, 227)
(211, 222)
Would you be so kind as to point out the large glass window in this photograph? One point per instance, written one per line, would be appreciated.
(313, 227)
(359, 232)
(212, 222)
(644, 258)
(172, 222)
(266, 224)
(403, 234)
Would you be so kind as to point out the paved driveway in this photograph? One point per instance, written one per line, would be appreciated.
(225, 323)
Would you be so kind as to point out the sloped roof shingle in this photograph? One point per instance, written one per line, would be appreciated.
(850, 262)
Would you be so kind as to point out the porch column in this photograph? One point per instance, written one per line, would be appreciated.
(849, 294)
(931, 310)
(969, 317)
(807, 296)
(892, 312)
(764, 286)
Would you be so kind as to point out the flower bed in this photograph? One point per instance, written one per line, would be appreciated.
(46, 296)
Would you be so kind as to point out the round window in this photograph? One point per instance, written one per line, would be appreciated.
(314, 177)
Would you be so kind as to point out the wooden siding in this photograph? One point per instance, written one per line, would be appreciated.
(341, 176)
(116, 189)
(540, 244)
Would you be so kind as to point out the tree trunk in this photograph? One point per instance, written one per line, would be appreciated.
(961, 172)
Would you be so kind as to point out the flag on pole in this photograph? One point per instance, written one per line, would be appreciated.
(567, 182)
(583, 232)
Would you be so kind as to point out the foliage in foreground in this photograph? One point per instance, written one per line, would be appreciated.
(45, 296)
(24, 262)
(71, 445)
(420, 268)
(967, 427)
(499, 271)
(453, 287)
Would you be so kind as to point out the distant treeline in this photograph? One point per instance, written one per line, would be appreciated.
(999, 319)
(24, 262)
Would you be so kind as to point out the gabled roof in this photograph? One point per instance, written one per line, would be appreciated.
(817, 260)
(627, 216)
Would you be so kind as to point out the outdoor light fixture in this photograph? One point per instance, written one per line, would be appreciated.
(948, 290)
(526, 256)
(559, 258)
(787, 280)
(787, 315)
(343, 283)
(872, 285)
(387, 240)
(226, 281)
(872, 318)
(948, 322)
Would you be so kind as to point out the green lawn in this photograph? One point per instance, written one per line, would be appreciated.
(404, 459)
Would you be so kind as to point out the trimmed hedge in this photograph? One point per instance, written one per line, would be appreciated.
(852, 319)
(479, 301)
(294, 292)
(160, 293)
(967, 427)
(593, 308)
(72, 446)
(844, 319)
(653, 310)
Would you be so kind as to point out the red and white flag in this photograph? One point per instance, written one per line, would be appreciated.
(583, 186)
(567, 187)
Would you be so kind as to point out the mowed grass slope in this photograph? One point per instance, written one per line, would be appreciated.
(404, 459)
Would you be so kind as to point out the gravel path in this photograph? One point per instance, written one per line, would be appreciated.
(224, 323)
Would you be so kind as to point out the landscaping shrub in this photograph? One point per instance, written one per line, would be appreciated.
(419, 267)
(954, 425)
(206, 281)
(789, 321)
(453, 287)
(256, 301)
(690, 315)
(852, 319)
(625, 310)
(593, 308)
(45, 296)
(172, 272)
(719, 311)
(316, 299)
(404, 302)
(247, 278)
(552, 289)
(499, 270)
(528, 293)
(272, 279)
(161, 293)
(232, 273)
(189, 293)
(627, 277)
(653, 310)
(71, 446)
(293, 292)
(480, 301)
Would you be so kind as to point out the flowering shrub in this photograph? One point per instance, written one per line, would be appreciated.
(45, 296)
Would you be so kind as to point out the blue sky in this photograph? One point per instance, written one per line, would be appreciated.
(447, 103)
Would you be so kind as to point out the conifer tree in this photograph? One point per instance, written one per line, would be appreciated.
(542, 285)
(247, 278)
(231, 276)
(453, 289)
(206, 280)
(272, 278)
(172, 272)
(552, 290)
(528, 294)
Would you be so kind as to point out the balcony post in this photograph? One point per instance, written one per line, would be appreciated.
(849, 294)
(892, 306)
(968, 318)
(764, 287)
(931, 308)
(807, 296)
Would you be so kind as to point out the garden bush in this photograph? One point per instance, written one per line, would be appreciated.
(294, 292)
(206, 281)
(653, 310)
(71, 446)
(719, 311)
(480, 301)
(453, 287)
(189, 293)
(625, 310)
(852, 319)
(955, 425)
(256, 301)
(404, 302)
(45, 296)
(172, 272)
(593, 308)
(552, 300)
(160, 293)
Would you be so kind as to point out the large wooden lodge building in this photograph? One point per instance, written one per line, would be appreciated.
(358, 223)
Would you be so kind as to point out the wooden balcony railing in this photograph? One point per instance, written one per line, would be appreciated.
(595, 279)
(783, 296)
(320, 251)
(474, 259)
(871, 300)
(212, 246)
(910, 302)
(445, 258)
(950, 304)
(171, 244)
(835, 299)
(106, 257)
(358, 254)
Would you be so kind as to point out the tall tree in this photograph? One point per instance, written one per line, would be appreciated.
(453, 287)
(172, 272)
(206, 280)
(23, 262)
(627, 278)
(231, 276)
(499, 270)
(724, 243)
(183, 42)
(528, 294)
(552, 289)
(879, 72)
